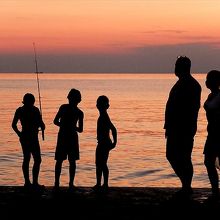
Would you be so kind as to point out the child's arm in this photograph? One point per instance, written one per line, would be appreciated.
(14, 124)
(40, 120)
(80, 123)
(56, 120)
(42, 125)
(114, 135)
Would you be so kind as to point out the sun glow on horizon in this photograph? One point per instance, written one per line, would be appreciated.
(106, 26)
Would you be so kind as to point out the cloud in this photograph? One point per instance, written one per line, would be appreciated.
(158, 31)
(204, 57)
(201, 38)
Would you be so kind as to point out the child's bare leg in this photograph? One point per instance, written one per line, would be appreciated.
(98, 175)
(36, 170)
(72, 171)
(58, 168)
(25, 169)
(105, 175)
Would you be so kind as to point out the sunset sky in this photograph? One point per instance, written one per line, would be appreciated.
(109, 35)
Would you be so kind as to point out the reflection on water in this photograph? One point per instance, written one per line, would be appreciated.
(137, 103)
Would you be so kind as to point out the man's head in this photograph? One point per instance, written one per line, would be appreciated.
(182, 66)
(28, 99)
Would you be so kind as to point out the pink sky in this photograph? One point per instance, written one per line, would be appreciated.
(128, 29)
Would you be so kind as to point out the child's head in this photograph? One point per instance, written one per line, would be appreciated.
(213, 79)
(102, 102)
(74, 96)
(28, 99)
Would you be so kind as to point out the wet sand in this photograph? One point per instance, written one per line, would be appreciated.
(116, 203)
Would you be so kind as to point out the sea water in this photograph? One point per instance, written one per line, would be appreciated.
(137, 105)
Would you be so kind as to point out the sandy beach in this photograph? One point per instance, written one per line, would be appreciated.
(117, 203)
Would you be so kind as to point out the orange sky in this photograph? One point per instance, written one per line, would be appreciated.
(108, 27)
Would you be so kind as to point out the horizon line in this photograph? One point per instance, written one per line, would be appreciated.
(97, 72)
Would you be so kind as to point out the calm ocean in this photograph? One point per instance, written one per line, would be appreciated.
(137, 103)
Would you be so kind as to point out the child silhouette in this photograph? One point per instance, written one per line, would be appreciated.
(70, 120)
(31, 120)
(105, 144)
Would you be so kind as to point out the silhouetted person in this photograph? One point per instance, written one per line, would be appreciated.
(212, 145)
(70, 120)
(181, 123)
(31, 121)
(105, 144)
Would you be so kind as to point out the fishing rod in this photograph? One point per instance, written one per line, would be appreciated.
(38, 84)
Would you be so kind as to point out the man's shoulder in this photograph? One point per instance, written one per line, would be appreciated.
(196, 84)
(195, 80)
(190, 81)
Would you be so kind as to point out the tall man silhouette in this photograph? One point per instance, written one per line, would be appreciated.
(180, 126)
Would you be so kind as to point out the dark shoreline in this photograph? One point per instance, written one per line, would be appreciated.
(117, 203)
